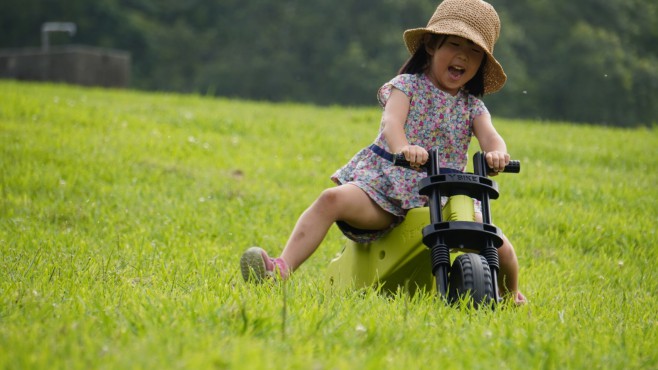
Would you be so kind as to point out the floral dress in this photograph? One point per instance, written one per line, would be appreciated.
(436, 120)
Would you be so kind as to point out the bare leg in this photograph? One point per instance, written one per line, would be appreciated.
(508, 277)
(508, 280)
(345, 203)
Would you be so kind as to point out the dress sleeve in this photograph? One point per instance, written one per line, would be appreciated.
(477, 108)
(404, 83)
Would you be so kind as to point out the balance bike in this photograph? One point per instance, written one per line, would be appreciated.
(415, 255)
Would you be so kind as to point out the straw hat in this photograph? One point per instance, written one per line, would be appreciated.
(475, 20)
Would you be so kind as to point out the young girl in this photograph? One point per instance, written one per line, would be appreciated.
(433, 102)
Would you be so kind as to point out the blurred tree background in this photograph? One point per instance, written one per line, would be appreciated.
(593, 61)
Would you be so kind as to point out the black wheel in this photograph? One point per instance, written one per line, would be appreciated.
(470, 276)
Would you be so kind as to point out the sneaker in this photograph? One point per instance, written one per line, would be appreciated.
(257, 266)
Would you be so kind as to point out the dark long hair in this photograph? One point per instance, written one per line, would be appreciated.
(420, 61)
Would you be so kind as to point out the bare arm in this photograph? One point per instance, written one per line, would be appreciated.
(394, 118)
(491, 142)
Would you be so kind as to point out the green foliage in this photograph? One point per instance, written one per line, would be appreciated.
(123, 215)
(564, 60)
(571, 63)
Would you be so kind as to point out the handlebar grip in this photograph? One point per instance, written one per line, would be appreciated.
(512, 167)
(399, 160)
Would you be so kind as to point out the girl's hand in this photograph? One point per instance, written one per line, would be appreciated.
(497, 160)
(416, 155)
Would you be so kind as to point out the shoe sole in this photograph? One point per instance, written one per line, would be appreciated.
(252, 265)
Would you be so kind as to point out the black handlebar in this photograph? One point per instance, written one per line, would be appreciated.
(513, 166)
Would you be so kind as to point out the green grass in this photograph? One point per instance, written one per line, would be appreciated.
(123, 216)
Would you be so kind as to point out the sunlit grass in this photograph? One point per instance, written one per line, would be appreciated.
(123, 215)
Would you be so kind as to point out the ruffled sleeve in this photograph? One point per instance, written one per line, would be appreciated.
(404, 83)
(476, 107)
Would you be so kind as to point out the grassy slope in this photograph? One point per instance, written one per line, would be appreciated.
(123, 214)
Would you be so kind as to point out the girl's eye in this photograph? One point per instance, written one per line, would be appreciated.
(476, 50)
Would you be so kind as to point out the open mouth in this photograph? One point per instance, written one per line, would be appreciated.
(456, 72)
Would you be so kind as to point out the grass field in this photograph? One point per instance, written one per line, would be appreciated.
(123, 216)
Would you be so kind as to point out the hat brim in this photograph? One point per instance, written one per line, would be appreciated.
(494, 75)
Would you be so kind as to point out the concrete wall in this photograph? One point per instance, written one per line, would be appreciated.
(74, 64)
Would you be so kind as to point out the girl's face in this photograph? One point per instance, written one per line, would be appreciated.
(454, 63)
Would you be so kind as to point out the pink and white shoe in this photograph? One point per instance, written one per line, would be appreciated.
(257, 266)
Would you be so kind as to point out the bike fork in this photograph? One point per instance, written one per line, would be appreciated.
(440, 266)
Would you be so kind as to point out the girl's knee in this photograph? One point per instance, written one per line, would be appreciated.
(329, 197)
(506, 251)
(331, 200)
(505, 248)
(342, 196)
(351, 204)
